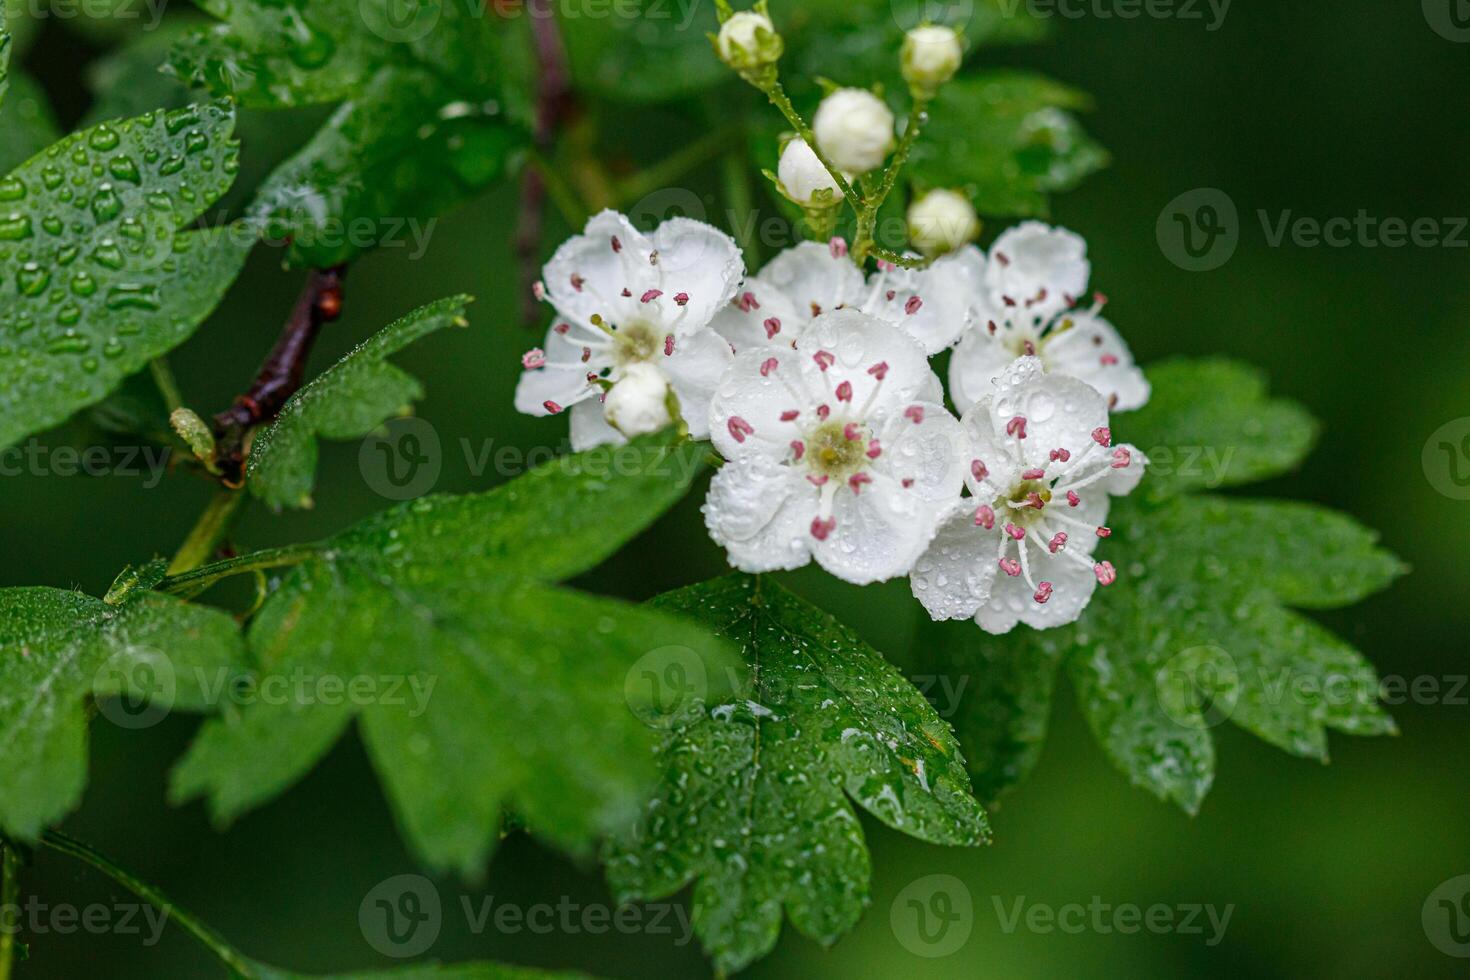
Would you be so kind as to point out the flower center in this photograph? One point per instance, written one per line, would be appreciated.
(636, 343)
(1025, 503)
(829, 451)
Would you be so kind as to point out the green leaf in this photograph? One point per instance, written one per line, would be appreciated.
(1010, 139)
(58, 649)
(1199, 628)
(1209, 424)
(756, 801)
(128, 80)
(346, 401)
(404, 146)
(527, 707)
(98, 278)
(4, 53)
(649, 51)
(1000, 690)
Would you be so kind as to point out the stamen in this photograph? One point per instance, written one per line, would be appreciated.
(985, 517)
(824, 359)
(1035, 473)
(538, 290)
(978, 469)
(669, 346)
(815, 480)
(838, 247)
(914, 413)
(577, 282)
(747, 302)
(1015, 532)
(1010, 566)
(844, 391)
(768, 365)
(1033, 499)
(798, 447)
(1072, 499)
(739, 428)
(1057, 542)
(874, 449)
(1102, 435)
(681, 298)
(533, 359)
(790, 415)
(1121, 458)
(1060, 455)
(1043, 593)
(1017, 427)
(1105, 572)
(822, 412)
(1108, 360)
(1104, 532)
(617, 246)
(821, 528)
(879, 370)
(551, 407)
(562, 328)
(850, 432)
(773, 326)
(650, 296)
(913, 305)
(856, 482)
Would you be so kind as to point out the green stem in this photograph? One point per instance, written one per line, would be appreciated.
(9, 899)
(197, 580)
(208, 531)
(168, 386)
(781, 101)
(867, 221)
(676, 165)
(567, 202)
(235, 961)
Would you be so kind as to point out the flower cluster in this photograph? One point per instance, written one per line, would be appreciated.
(813, 381)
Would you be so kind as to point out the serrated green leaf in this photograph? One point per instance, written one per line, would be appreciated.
(1199, 627)
(1209, 423)
(58, 649)
(26, 123)
(98, 277)
(527, 706)
(403, 147)
(1010, 139)
(756, 802)
(346, 401)
(1000, 690)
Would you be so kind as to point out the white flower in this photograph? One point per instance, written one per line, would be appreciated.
(942, 221)
(930, 57)
(622, 299)
(748, 40)
(1044, 467)
(1028, 307)
(854, 128)
(803, 282)
(803, 176)
(935, 304)
(839, 449)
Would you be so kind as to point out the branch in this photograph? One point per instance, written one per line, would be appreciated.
(281, 375)
(553, 102)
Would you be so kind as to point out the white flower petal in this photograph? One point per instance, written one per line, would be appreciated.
(694, 369)
(989, 447)
(814, 280)
(587, 274)
(749, 396)
(1121, 481)
(879, 533)
(589, 427)
(976, 363)
(746, 327)
(859, 343)
(698, 261)
(954, 576)
(1094, 352)
(1012, 600)
(1059, 411)
(933, 305)
(761, 513)
(563, 380)
(1033, 257)
(934, 453)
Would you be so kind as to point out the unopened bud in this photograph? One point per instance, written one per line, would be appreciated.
(854, 128)
(930, 57)
(942, 221)
(639, 401)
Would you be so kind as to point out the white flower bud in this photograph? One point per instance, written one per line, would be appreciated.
(639, 401)
(855, 129)
(748, 41)
(942, 221)
(802, 174)
(930, 57)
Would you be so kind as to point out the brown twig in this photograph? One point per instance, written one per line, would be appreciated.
(282, 372)
(553, 103)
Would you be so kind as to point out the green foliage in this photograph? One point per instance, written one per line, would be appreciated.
(1010, 139)
(100, 277)
(58, 649)
(754, 804)
(127, 80)
(659, 55)
(1197, 629)
(346, 401)
(433, 971)
(521, 684)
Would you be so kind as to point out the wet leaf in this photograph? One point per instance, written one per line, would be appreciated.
(144, 655)
(509, 690)
(756, 802)
(347, 401)
(1010, 139)
(99, 278)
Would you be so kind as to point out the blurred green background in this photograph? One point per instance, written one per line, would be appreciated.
(1320, 107)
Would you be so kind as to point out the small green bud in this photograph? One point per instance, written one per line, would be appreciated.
(930, 57)
(195, 432)
(942, 221)
(748, 43)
